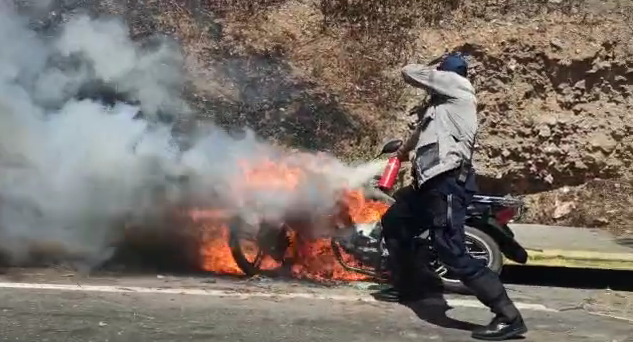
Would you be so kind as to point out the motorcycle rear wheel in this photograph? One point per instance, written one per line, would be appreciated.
(239, 233)
(481, 246)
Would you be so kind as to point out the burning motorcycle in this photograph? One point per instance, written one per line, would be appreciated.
(361, 247)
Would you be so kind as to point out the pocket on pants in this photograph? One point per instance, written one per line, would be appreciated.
(442, 210)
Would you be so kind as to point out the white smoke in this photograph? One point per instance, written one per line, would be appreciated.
(73, 171)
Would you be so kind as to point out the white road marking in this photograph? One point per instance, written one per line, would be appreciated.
(467, 303)
(597, 313)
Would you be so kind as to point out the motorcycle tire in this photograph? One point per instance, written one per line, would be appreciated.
(236, 227)
(484, 242)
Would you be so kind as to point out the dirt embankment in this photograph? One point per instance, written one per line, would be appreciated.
(555, 82)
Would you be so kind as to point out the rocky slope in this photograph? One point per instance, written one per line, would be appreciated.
(597, 203)
(556, 111)
(555, 80)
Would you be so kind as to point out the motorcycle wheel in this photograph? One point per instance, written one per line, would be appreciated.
(481, 246)
(245, 243)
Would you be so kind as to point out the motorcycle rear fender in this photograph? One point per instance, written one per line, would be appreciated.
(504, 236)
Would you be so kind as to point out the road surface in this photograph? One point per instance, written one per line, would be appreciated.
(48, 305)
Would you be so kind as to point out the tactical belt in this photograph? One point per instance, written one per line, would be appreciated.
(460, 173)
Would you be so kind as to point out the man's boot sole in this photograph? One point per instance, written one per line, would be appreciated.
(512, 334)
(386, 297)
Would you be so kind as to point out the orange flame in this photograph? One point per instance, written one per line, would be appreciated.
(312, 258)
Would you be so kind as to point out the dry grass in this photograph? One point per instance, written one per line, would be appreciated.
(372, 38)
(383, 32)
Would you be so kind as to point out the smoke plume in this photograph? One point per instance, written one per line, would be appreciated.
(76, 164)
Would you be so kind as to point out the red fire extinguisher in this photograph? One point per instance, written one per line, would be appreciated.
(388, 178)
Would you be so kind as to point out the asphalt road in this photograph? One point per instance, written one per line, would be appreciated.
(47, 305)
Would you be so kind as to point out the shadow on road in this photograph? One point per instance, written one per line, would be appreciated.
(439, 317)
(568, 277)
(626, 242)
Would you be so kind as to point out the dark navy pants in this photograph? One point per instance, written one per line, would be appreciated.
(439, 205)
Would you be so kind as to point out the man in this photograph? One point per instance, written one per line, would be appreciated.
(444, 185)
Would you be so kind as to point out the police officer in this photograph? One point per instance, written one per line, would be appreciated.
(443, 187)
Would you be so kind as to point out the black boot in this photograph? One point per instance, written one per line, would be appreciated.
(397, 266)
(508, 322)
(392, 294)
(412, 278)
(389, 294)
(399, 261)
(501, 328)
(429, 284)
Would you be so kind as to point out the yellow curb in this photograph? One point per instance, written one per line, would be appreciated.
(578, 259)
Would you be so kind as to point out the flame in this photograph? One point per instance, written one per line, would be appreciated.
(270, 175)
(312, 258)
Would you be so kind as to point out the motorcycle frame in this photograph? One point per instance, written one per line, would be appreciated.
(485, 222)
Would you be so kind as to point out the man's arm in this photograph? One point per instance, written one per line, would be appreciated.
(442, 82)
(409, 145)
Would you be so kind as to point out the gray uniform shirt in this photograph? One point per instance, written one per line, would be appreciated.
(445, 135)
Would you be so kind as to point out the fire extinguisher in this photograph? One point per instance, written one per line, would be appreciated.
(388, 178)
